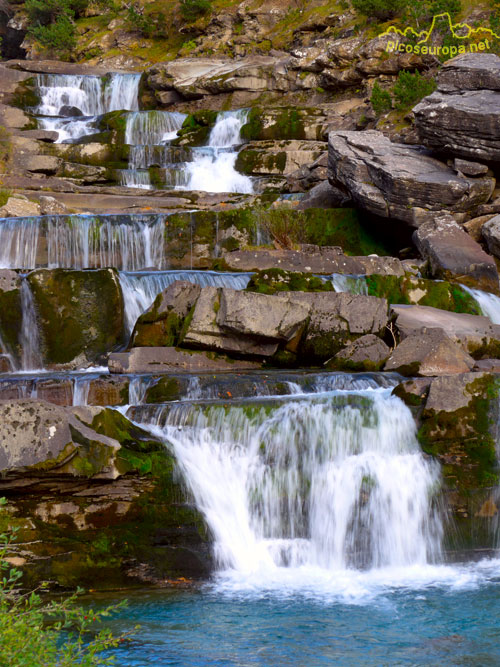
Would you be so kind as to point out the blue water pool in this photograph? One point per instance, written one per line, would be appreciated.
(432, 616)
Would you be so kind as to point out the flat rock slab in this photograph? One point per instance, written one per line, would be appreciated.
(428, 353)
(166, 359)
(321, 263)
(399, 181)
(472, 331)
(471, 71)
(447, 394)
(454, 255)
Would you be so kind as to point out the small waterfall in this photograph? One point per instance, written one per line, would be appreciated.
(91, 96)
(347, 283)
(488, 303)
(30, 336)
(130, 243)
(330, 483)
(146, 133)
(213, 167)
(141, 289)
(81, 390)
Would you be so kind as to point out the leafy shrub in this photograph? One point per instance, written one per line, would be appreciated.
(453, 7)
(193, 9)
(380, 9)
(35, 632)
(58, 36)
(50, 22)
(380, 99)
(411, 88)
(137, 20)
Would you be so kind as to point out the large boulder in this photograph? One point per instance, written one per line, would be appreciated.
(454, 255)
(10, 315)
(398, 181)
(462, 116)
(80, 314)
(475, 333)
(428, 353)
(490, 231)
(367, 353)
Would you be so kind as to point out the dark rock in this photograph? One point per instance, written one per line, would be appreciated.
(323, 195)
(430, 352)
(471, 71)
(474, 227)
(454, 255)
(166, 359)
(69, 111)
(491, 234)
(413, 392)
(399, 181)
(488, 365)
(470, 168)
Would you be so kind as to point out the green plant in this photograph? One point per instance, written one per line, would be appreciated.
(36, 632)
(380, 9)
(139, 21)
(380, 100)
(193, 9)
(410, 88)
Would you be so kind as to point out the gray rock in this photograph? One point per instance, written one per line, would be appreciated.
(474, 227)
(471, 71)
(399, 181)
(413, 392)
(323, 195)
(470, 168)
(51, 206)
(447, 394)
(16, 207)
(454, 255)
(166, 359)
(430, 352)
(471, 331)
(178, 298)
(336, 319)
(491, 234)
(36, 433)
(465, 124)
(488, 365)
(367, 352)
(9, 280)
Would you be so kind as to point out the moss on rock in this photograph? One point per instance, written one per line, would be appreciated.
(278, 280)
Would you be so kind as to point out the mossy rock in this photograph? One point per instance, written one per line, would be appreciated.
(282, 123)
(114, 424)
(413, 290)
(196, 129)
(278, 280)
(11, 320)
(165, 390)
(80, 313)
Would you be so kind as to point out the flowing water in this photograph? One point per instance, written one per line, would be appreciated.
(70, 104)
(30, 337)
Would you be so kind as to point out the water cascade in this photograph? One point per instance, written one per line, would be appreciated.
(148, 133)
(213, 166)
(333, 481)
(69, 104)
(140, 289)
(30, 338)
(129, 243)
(488, 303)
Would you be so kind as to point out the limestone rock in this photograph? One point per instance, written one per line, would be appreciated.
(471, 71)
(430, 352)
(453, 255)
(470, 168)
(51, 206)
(323, 195)
(474, 227)
(19, 207)
(474, 332)
(167, 359)
(491, 234)
(448, 394)
(399, 181)
(366, 353)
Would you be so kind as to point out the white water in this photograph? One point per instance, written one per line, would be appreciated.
(308, 486)
(141, 289)
(213, 169)
(489, 303)
(129, 243)
(92, 95)
(31, 358)
(350, 284)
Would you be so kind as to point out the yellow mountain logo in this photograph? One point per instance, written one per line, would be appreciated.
(473, 39)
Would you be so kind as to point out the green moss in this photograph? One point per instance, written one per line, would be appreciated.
(278, 280)
(10, 320)
(412, 290)
(166, 389)
(113, 424)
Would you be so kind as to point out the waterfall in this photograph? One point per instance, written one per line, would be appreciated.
(213, 167)
(141, 289)
(488, 303)
(129, 243)
(30, 337)
(331, 482)
(91, 96)
(347, 283)
(147, 133)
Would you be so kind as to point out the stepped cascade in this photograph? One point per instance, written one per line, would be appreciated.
(250, 335)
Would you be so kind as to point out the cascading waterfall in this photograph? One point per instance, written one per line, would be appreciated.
(347, 283)
(129, 243)
(141, 289)
(213, 167)
(488, 303)
(328, 483)
(31, 358)
(84, 97)
(148, 133)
